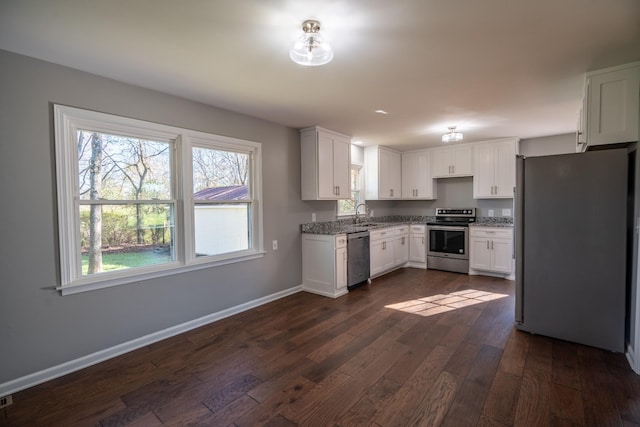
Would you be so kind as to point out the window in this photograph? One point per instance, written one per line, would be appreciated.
(138, 200)
(348, 206)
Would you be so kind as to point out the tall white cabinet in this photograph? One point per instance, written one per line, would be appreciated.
(494, 165)
(417, 180)
(383, 176)
(325, 164)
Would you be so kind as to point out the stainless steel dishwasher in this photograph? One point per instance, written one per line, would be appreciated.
(357, 259)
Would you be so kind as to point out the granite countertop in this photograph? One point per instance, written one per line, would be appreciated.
(343, 226)
(506, 222)
(347, 225)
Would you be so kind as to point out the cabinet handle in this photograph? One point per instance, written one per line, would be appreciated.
(492, 245)
(453, 168)
(384, 246)
(403, 240)
(423, 240)
(487, 245)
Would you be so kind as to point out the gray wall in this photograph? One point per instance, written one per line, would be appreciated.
(452, 193)
(40, 328)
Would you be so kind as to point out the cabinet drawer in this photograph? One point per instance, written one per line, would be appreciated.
(341, 241)
(417, 229)
(402, 230)
(489, 232)
(380, 234)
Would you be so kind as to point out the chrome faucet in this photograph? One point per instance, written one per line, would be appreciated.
(366, 212)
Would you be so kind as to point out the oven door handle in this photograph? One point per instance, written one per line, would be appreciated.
(446, 228)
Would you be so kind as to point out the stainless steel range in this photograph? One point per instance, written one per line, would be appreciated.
(448, 239)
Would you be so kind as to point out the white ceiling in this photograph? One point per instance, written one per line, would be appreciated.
(494, 68)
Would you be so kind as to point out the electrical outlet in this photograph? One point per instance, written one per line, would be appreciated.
(313, 217)
(275, 245)
(506, 212)
(371, 213)
(6, 401)
(490, 212)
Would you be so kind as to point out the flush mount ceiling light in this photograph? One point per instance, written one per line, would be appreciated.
(310, 49)
(452, 135)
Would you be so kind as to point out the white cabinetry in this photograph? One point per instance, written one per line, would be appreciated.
(612, 105)
(325, 164)
(491, 251)
(401, 246)
(383, 175)
(417, 246)
(452, 161)
(417, 182)
(324, 264)
(381, 250)
(494, 166)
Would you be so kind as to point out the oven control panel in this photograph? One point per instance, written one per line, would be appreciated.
(456, 212)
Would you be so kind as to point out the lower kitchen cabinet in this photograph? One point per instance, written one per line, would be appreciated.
(401, 246)
(388, 249)
(324, 264)
(491, 251)
(417, 246)
(381, 250)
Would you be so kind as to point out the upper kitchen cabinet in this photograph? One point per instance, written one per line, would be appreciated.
(325, 164)
(382, 173)
(417, 180)
(452, 161)
(611, 106)
(494, 166)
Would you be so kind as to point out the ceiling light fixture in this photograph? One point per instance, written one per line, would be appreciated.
(310, 49)
(452, 135)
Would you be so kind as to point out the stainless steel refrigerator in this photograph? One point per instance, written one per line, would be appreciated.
(570, 224)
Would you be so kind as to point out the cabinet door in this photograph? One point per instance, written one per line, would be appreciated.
(505, 169)
(401, 250)
(501, 255)
(376, 258)
(409, 175)
(424, 180)
(341, 167)
(341, 268)
(417, 248)
(388, 254)
(441, 162)
(395, 175)
(480, 254)
(484, 168)
(326, 187)
(462, 156)
(390, 175)
(614, 104)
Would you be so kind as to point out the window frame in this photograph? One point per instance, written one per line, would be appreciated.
(68, 120)
(359, 168)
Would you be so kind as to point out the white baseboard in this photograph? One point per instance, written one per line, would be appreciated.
(631, 358)
(65, 368)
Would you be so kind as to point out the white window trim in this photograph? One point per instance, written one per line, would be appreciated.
(67, 120)
(360, 168)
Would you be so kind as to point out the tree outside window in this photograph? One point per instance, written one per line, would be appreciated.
(348, 206)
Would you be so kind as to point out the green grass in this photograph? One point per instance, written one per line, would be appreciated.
(122, 260)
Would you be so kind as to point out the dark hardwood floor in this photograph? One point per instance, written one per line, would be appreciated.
(415, 347)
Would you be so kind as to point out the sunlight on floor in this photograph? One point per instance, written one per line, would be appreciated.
(435, 304)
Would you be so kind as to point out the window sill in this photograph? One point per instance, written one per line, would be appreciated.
(83, 285)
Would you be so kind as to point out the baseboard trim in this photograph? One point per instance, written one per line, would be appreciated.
(65, 368)
(631, 358)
